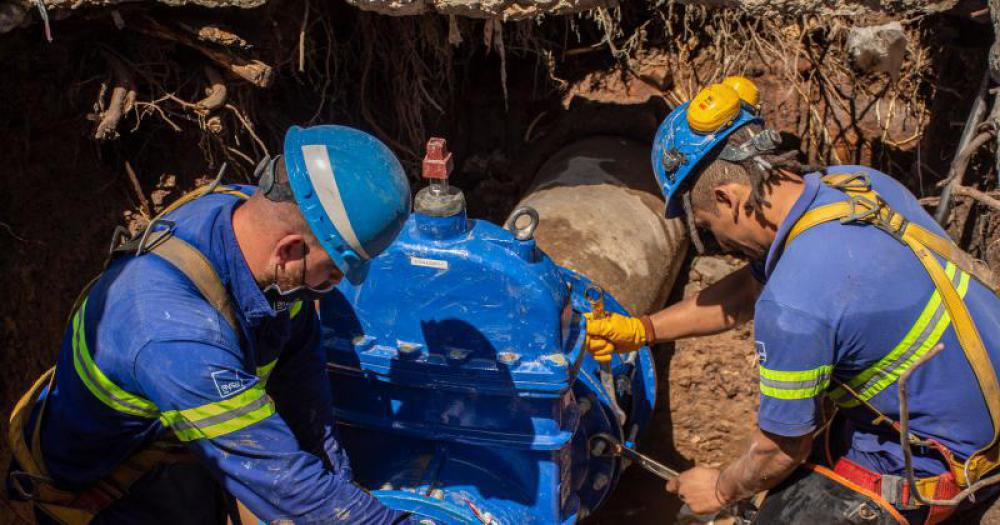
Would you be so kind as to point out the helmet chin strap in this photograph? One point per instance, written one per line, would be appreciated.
(689, 220)
(282, 300)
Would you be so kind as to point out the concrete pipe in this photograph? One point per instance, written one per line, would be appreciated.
(602, 216)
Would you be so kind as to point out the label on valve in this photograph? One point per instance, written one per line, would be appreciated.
(429, 263)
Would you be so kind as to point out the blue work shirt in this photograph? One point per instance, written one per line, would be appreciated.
(842, 297)
(269, 435)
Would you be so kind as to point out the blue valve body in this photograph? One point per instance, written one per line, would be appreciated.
(460, 383)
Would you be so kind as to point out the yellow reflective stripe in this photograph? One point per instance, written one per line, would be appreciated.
(216, 408)
(94, 379)
(921, 337)
(295, 309)
(795, 384)
(263, 372)
(221, 417)
(795, 375)
(933, 311)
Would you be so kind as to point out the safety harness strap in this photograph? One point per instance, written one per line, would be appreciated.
(867, 207)
(33, 481)
(199, 192)
(975, 352)
(950, 251)
(15, 436)
(195, 266)
(895, 490)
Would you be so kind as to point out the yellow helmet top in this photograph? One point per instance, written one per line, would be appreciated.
(713, 108)
(745, 87)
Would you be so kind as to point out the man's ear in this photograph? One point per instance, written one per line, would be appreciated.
(727, 199)
(291, 247)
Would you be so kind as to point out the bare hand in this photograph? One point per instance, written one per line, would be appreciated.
(696, 488)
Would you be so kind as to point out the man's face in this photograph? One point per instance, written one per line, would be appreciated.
(306, 263)
(735, 230)
(321, 271)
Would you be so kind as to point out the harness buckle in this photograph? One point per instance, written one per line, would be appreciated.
(895, 491)
(118, 237)
(884, 223)
(876, 213)
(150, 239)
(859, 181)
(861, 209)
(25, 484)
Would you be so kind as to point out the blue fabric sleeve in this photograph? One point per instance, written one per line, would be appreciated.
(300, 387)
(795, 354)
(252, 451)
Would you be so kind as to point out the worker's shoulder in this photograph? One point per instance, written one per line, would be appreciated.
(153, 301)
(836, 269)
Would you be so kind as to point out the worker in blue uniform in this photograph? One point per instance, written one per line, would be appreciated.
(191, 375)
(853, 288)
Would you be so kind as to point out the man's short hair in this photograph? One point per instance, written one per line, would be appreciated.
(718, 172)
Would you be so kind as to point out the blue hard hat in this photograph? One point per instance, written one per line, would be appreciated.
(351, 189)
(678, 150)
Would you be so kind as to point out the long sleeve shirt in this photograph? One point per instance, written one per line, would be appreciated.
(146, 356)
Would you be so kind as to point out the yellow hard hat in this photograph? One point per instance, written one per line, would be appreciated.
(713, 108)
(745, 88)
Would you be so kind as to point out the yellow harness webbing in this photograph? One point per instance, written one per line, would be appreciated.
(867, 207)
(33, 480)
(76, 508)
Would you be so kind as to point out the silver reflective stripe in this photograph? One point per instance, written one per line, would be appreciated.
(202, 424)
(917, 343)
(324, 182)
(796, 385)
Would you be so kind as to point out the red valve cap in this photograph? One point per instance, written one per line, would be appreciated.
(437, 162)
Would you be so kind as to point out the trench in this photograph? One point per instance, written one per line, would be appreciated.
(512, 98)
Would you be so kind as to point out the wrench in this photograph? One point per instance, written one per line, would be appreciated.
(605, 445)
(595, 296)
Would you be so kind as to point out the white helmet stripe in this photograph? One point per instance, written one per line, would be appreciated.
(324, 183)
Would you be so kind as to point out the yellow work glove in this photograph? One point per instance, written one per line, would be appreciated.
(612, 334)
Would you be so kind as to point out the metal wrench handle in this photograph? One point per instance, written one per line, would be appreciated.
(613, 447)
(653, 466)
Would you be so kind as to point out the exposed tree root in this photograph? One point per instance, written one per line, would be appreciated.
(982, 198)
(144, 207)
(214, 34)
(250, 69)
(215, 93)
(121, 102)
